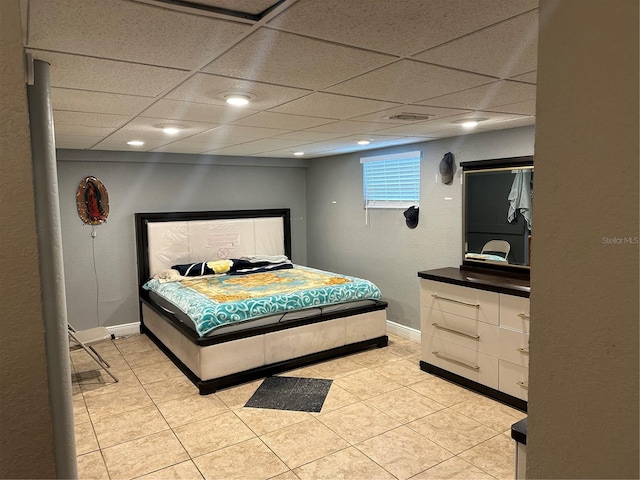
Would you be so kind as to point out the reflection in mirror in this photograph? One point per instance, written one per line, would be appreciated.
(497, 214)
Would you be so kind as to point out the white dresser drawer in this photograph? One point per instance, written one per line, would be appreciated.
(464, 301)
(462, 331)
(467, 363)
(514, 380)
(514, 313)
(513, 346)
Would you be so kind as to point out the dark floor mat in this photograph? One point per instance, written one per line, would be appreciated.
(291, 393)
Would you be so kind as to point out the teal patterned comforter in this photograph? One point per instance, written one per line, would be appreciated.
(219, 300)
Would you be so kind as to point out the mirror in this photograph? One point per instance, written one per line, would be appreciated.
(497, 198)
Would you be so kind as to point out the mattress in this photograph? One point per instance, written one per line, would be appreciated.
(281, 318)
(222, 303)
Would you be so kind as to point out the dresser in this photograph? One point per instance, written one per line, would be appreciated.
(475, 331)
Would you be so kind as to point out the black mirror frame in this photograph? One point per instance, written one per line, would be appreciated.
(480, 165)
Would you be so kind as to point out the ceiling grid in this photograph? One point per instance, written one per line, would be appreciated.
(320, 75)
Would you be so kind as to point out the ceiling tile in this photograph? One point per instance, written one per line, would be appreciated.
(284, 153)
(494, 94)
(531, 77)
(254, 147)
(349, 144)
(242, 134)
(508, 122)
(503, 124)
(61, 117)
(326, 105)
(377, 141)
(310, 136)
(109, 76)
(502, 50)
(98, 102)
(205, 88)
(196, 112)
(421, 129)
(528, 107)
(349, 127)
(189, 146)
(119, 144)
(308, 149)
(83, 131)
(402, 27)
(130, 31)
(282, 120)
(408, 81)
(266, 56)
(148, 129)
(76, 142)
(152, 127)
(491, 120)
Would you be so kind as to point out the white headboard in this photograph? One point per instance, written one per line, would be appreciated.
(177, 238)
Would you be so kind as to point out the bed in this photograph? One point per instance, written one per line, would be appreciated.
(316, 322)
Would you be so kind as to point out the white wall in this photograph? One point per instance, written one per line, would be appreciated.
(155, 187)
(584, 375)
(388, 252)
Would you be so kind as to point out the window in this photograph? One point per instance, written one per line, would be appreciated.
(391, 181)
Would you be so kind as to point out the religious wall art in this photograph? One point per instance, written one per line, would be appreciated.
(93, 201)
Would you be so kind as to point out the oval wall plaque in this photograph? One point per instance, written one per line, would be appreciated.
(93, 201)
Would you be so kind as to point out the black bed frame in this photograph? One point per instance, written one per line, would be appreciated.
(210, 386)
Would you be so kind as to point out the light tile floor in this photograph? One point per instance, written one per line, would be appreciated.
(383, 419)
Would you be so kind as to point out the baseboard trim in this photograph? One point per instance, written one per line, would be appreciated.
(124, 329)
(403, 331)
(392, 327)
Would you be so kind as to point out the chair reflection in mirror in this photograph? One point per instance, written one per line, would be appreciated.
(496, 247)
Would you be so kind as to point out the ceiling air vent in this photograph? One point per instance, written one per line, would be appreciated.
(409, 117)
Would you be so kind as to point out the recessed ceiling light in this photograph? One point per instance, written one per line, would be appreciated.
(170, 129)
(298, 154)
(237, 99)
(469, 122)
(364, 142)
(135, 143)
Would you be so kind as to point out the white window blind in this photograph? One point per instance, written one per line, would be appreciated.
(391, 181)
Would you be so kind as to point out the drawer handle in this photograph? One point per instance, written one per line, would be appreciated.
(523, 385)
(523, 351)
(451, 330)
(524, 316)
(457, 362)
(438, 297)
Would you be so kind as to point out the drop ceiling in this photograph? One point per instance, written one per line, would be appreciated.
(322, 74)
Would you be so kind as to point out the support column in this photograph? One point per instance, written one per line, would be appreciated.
(54, 306)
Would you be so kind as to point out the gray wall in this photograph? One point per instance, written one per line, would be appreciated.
(326, 235)
(26, 443)
(387, 251)
(583, 371)
(155, 186)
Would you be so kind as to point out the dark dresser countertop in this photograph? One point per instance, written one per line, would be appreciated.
(510, 285)
(519, 431)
